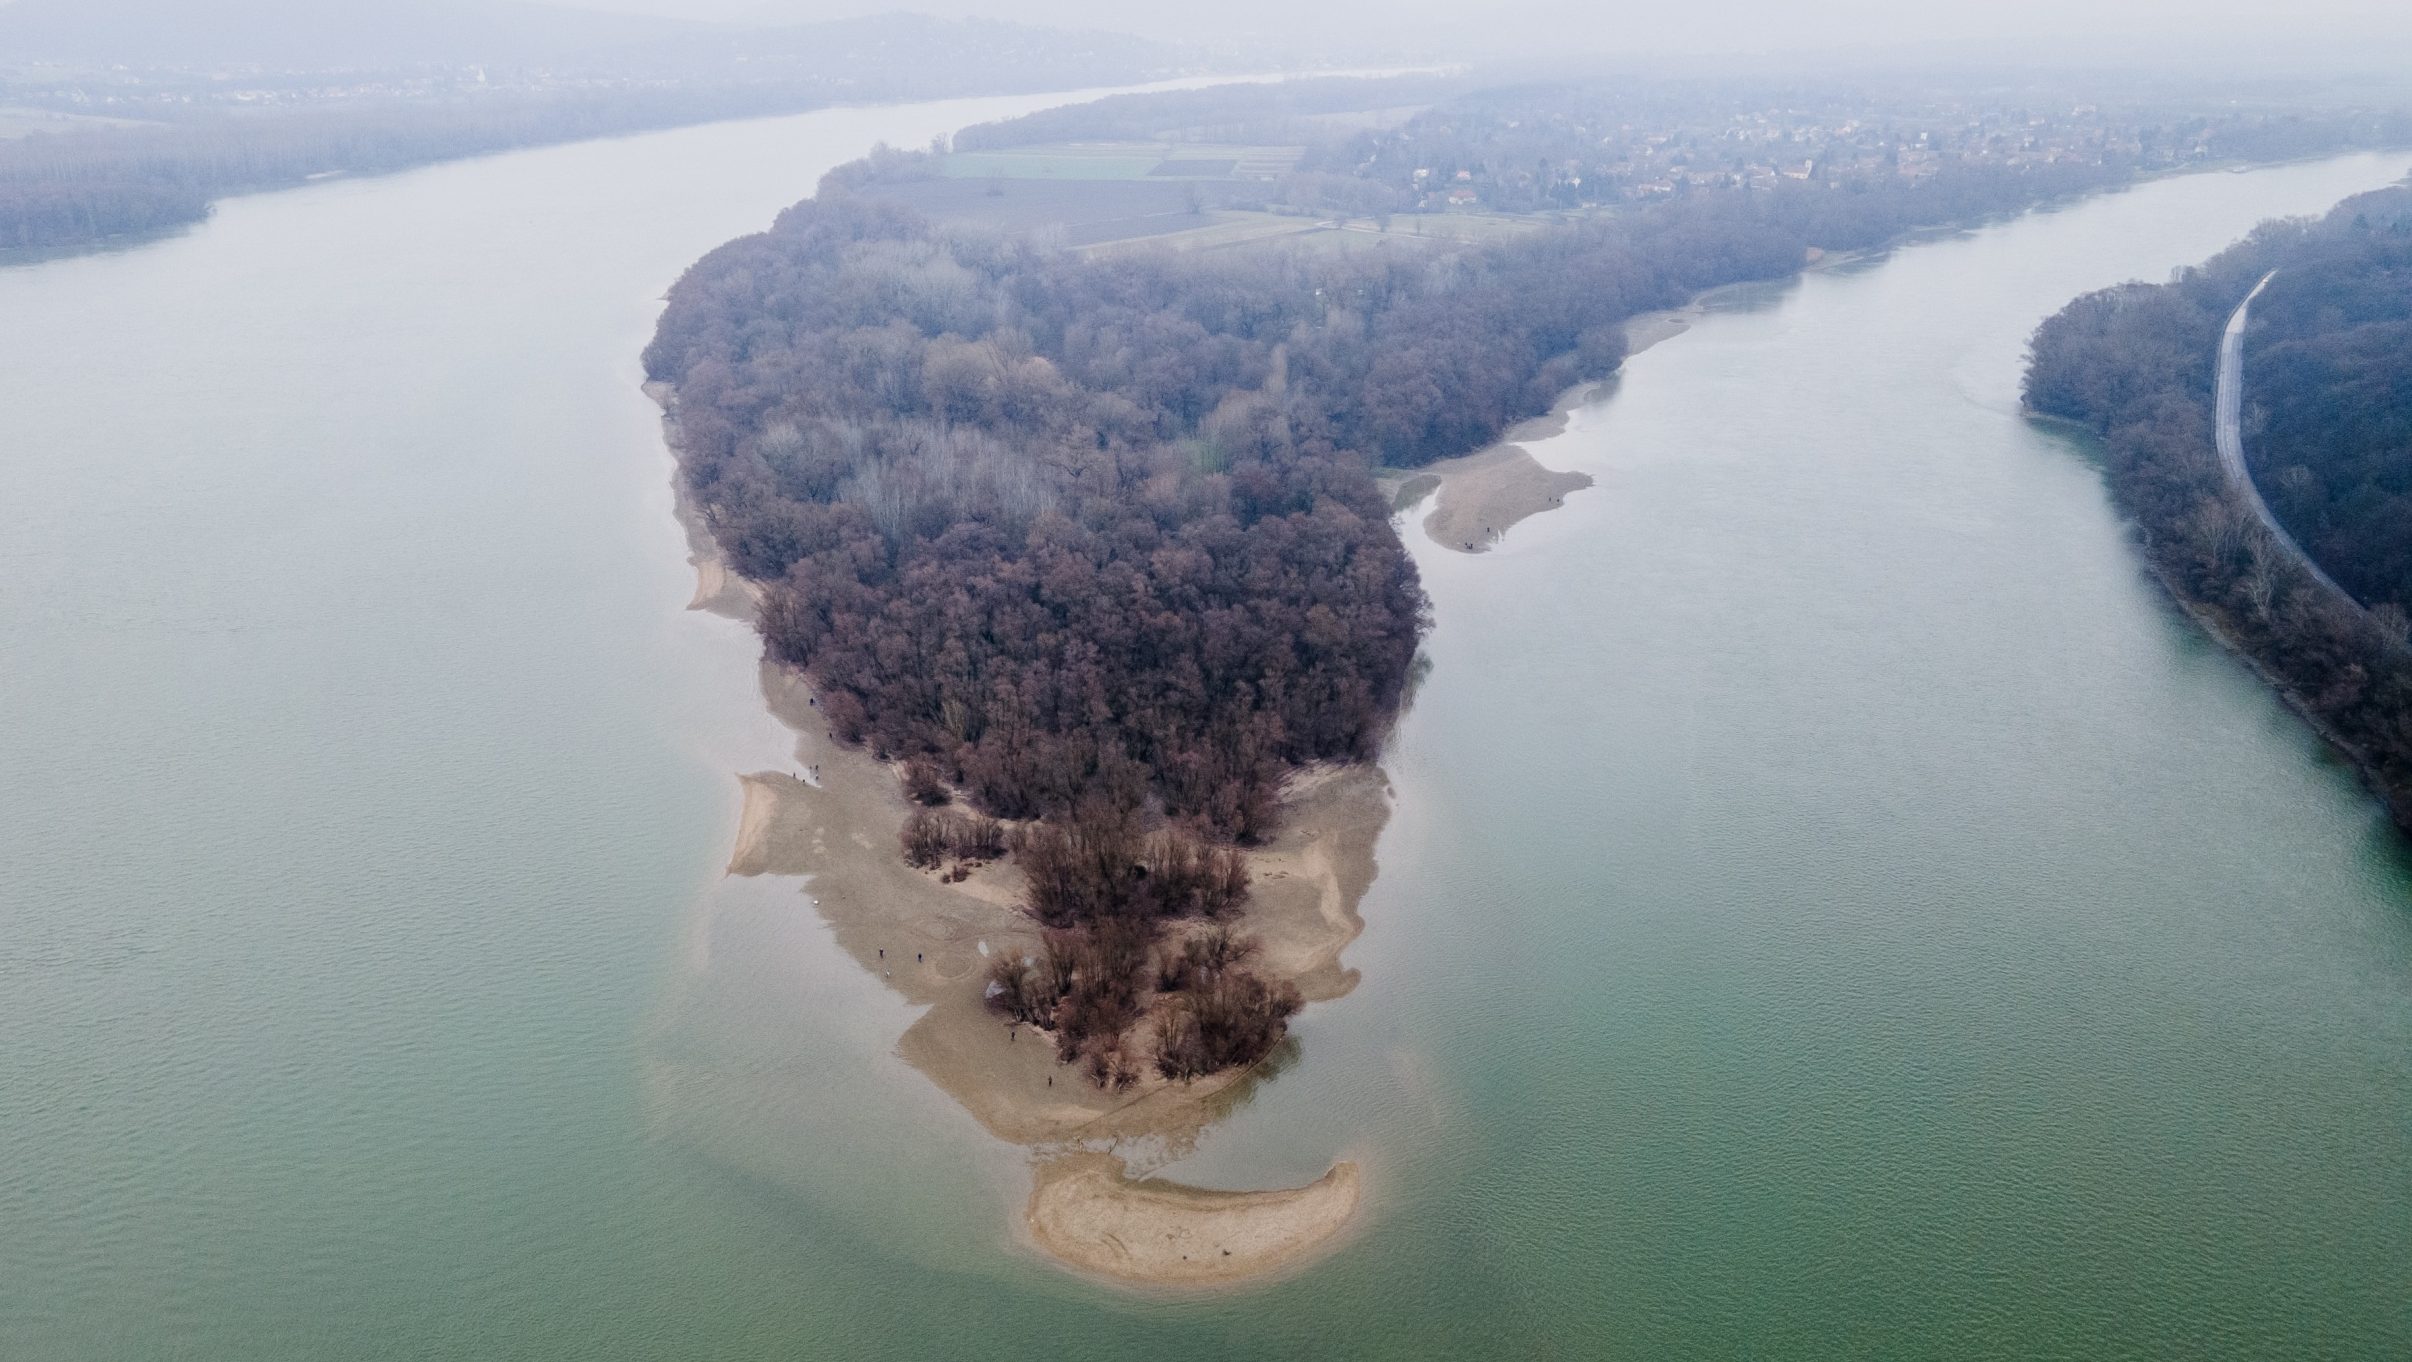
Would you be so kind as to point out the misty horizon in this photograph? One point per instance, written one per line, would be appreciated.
(2226, 35)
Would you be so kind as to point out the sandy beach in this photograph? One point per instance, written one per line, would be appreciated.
(930, 940)
(1479, 497)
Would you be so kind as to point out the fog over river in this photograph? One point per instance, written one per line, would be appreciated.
(1835, 905)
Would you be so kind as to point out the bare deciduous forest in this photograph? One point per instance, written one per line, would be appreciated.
(2327, 367)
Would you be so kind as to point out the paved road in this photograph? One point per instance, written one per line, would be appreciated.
(2230, 433)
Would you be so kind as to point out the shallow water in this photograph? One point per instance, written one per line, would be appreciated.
(1835, 906)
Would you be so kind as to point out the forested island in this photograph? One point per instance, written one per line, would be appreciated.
(2328, 438)
(1089, 544)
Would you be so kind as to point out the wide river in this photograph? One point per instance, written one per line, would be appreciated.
(1835, 906)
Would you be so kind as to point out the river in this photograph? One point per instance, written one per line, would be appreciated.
(1834, 906)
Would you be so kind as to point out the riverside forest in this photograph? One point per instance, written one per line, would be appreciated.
(1094, 540)
(2328, 402)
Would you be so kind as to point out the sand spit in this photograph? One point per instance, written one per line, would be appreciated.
(835, 820)
(931, 939)
(1484, 494)
(1085, 1211)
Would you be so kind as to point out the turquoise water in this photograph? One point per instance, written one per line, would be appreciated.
(1834, 907)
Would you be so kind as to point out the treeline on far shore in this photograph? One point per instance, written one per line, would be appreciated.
(68, 190)
(65, 190)
(2328, 432)
(1094, 543)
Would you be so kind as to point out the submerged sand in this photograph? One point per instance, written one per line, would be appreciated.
(835, 819)
(1085, 1211)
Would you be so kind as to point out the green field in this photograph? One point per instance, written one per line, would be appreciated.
(26, 122)
(1124, 161)
(1188, 195)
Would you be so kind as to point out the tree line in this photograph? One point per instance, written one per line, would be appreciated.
(70, 189)
(2136, 364)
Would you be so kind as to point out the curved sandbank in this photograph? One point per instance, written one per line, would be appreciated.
(1085, 1211)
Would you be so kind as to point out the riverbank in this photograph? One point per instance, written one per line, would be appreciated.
(2174, 463)
(834, 820)
(1477, 498)
(2221, 630)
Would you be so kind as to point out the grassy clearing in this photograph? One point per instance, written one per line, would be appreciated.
(1084, 212)
(1234, 230)
(26, 122)
(1047, 165)
(1124, 161)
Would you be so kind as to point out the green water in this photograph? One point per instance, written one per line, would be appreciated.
(1834, 907)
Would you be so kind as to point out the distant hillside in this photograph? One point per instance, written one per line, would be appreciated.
(376, 35)
(319, 34)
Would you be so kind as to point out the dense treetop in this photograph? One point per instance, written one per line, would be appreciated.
(2325, 369)
(1086, 528)
(2329, 393)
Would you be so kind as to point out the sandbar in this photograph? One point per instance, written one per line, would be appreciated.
(1087, 1212)
(1481, 496)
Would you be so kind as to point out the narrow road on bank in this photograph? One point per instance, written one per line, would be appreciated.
(2229, 403)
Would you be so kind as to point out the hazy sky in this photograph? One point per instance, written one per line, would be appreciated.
(2064, 28)
(2306, 34)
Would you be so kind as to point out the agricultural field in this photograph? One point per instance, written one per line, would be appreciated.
(1085, 211)
(1125, 161)
(19, 122)
(1188, 195)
